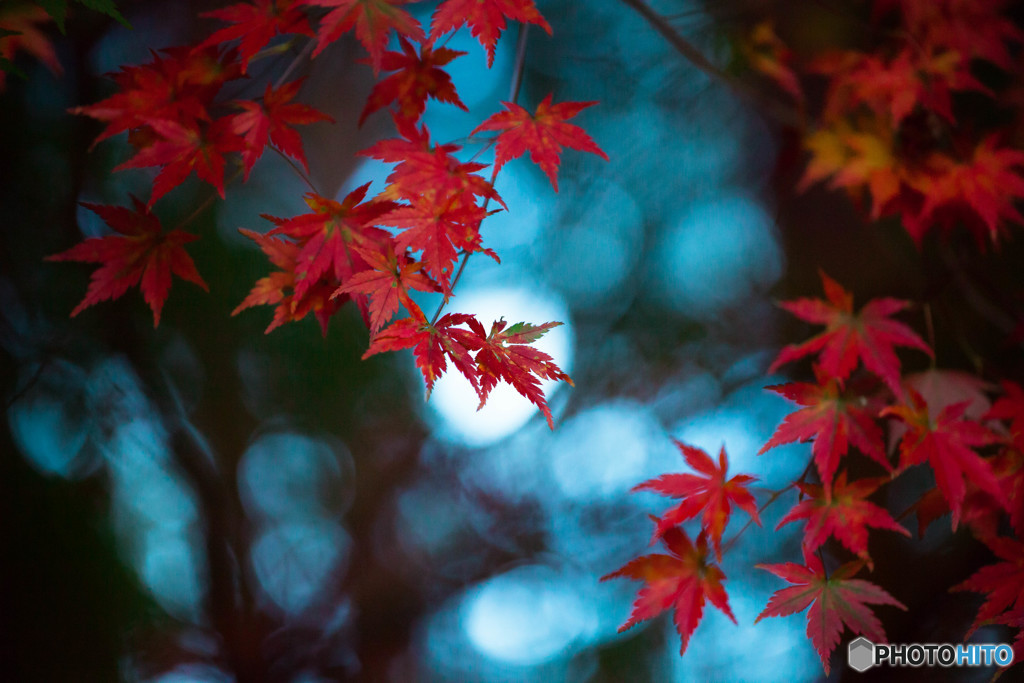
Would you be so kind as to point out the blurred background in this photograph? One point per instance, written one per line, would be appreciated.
(203, 502)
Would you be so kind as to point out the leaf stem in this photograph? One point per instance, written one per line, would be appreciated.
(771, 499)
(298, 171)
(516, 86)
(294, 64)
(205, 204)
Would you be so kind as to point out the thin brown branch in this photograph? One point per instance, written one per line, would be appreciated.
(777, 110)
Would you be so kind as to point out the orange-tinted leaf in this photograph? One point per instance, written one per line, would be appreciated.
(486, 19)
(767, 54)
(140, 254)
(833, 419)
(836, 602)
(893, 88)
(979, 191)
(277, 289)
(856, 159)
(680, 581)
(843, 511)
(707, 493)
(419, 77)
(868, 336)
(542, 134)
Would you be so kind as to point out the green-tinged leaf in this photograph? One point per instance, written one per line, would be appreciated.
(106, 7)
(57, 9)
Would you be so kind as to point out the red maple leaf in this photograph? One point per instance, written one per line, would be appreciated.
(1002, 582)
(140, 254)
(326, 235)
(439, 230)
(177, 85)
(486, 19)
(893, 88)
(387, 283)
(271, 121)
(833, 419)
(413, 141)
(979, 192)
(429, 173)
(973, 29)
(868, 335)
(372, 20)
(981, 512)
(255, 24)
(680, 581)
(836, 602)
(431, 344)
(841, 510)
(418, 78)
(542, 134)
(947, 442)
(506, 355)
(277, 289)
(182, 148)
(708, 492)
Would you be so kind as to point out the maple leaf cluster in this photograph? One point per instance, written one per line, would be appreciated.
(683, 580)
(372, 250)
(900, 127)
(860, 388)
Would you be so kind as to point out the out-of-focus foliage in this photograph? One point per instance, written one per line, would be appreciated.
(205, 502)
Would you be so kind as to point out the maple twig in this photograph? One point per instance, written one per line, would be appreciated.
(17, 396)
(906, 512)
(205, 204)
(782, 113)
(294, 64)
(274, 50)
(517, 82)
(298, 171)
(929, 326)
(517, 75)
(771, 499)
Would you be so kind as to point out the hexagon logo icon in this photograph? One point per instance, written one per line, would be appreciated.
(861, 654)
